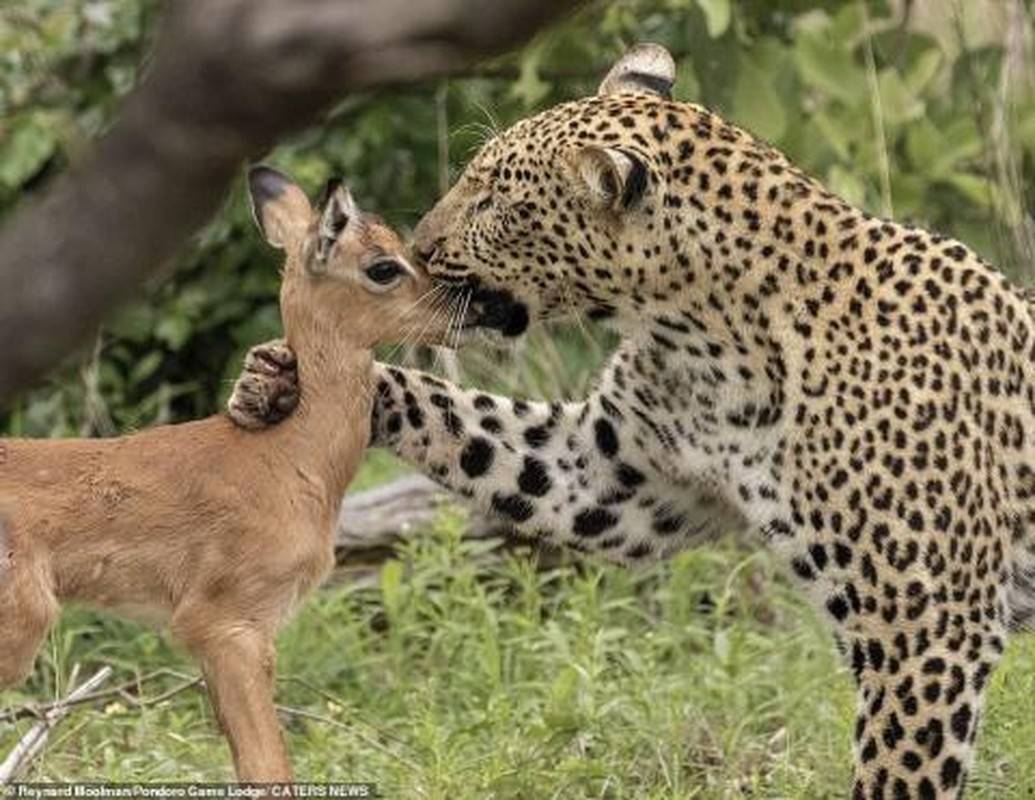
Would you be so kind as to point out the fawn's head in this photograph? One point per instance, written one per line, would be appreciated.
(346, 273)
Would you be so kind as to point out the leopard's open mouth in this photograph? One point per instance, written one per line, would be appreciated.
(497, 309)
(500, 311)
(485, 308)
(490, 309)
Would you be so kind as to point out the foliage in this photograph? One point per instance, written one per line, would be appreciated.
(911, 114)
(699, 678)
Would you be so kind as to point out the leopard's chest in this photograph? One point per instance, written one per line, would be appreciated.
(702, 431)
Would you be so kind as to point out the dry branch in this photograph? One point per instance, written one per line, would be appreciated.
(32, 744)
(128, 692)
(227, 80)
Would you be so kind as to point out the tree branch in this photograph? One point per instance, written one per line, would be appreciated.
(32, 744)
(227, 80)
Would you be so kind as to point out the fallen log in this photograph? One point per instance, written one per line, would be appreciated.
(373, 523)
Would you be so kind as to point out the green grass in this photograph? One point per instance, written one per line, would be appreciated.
(705, 677)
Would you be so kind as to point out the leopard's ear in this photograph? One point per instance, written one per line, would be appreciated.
(612, 179)
(647, 68)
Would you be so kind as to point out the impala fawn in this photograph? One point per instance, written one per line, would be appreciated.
(216, 531)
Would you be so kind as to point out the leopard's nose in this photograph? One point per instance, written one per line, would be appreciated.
(426, 241)
(424, 255)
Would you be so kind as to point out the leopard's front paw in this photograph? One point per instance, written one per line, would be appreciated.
(267, 391)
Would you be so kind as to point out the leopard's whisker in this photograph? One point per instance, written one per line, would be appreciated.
(419, 326)
(468, 296)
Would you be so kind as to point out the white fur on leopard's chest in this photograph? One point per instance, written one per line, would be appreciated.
(736, 466)
(692, 442)
(703, 429)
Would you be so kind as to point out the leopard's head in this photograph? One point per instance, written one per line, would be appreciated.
(559, 213)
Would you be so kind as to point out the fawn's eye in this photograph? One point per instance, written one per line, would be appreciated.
(384, 272)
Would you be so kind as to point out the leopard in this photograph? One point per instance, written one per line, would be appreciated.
(856, 391)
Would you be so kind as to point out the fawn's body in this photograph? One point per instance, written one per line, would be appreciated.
(212, 530)
(121, 524)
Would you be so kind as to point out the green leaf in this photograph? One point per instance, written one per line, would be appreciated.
(688, 85)
(135, 323)
(961, 142)
(923, 143)
(837, 133)
(146, 367)
(721, 644)
(174, 330)
(1026, 129)
(717, 15)
(847, 184)
(910, 193)
(898, 103)
(618, 19)
(756, 104)
(975, 188)
(826, 65)
(391, 587)
(564, 690)
(529, 88)
(849, 25)
(920, 74)
(27, 149)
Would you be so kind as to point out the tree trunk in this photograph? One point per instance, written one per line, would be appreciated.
(228, 78)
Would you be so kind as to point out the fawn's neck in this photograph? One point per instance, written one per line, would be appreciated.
(325, 437)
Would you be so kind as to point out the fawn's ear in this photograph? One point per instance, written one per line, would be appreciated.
(339, 211)
(280, 208)
(647, 68)
(614, 180)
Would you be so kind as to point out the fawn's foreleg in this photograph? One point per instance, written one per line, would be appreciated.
(27, 607)
(238, 662)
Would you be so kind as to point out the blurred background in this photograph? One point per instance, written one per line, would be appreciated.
(696, 678)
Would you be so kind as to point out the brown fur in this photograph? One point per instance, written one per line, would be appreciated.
(212, 530)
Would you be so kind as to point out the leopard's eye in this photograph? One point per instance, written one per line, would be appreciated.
(483, 203)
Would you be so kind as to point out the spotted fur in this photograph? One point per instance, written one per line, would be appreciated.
(857, 390)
